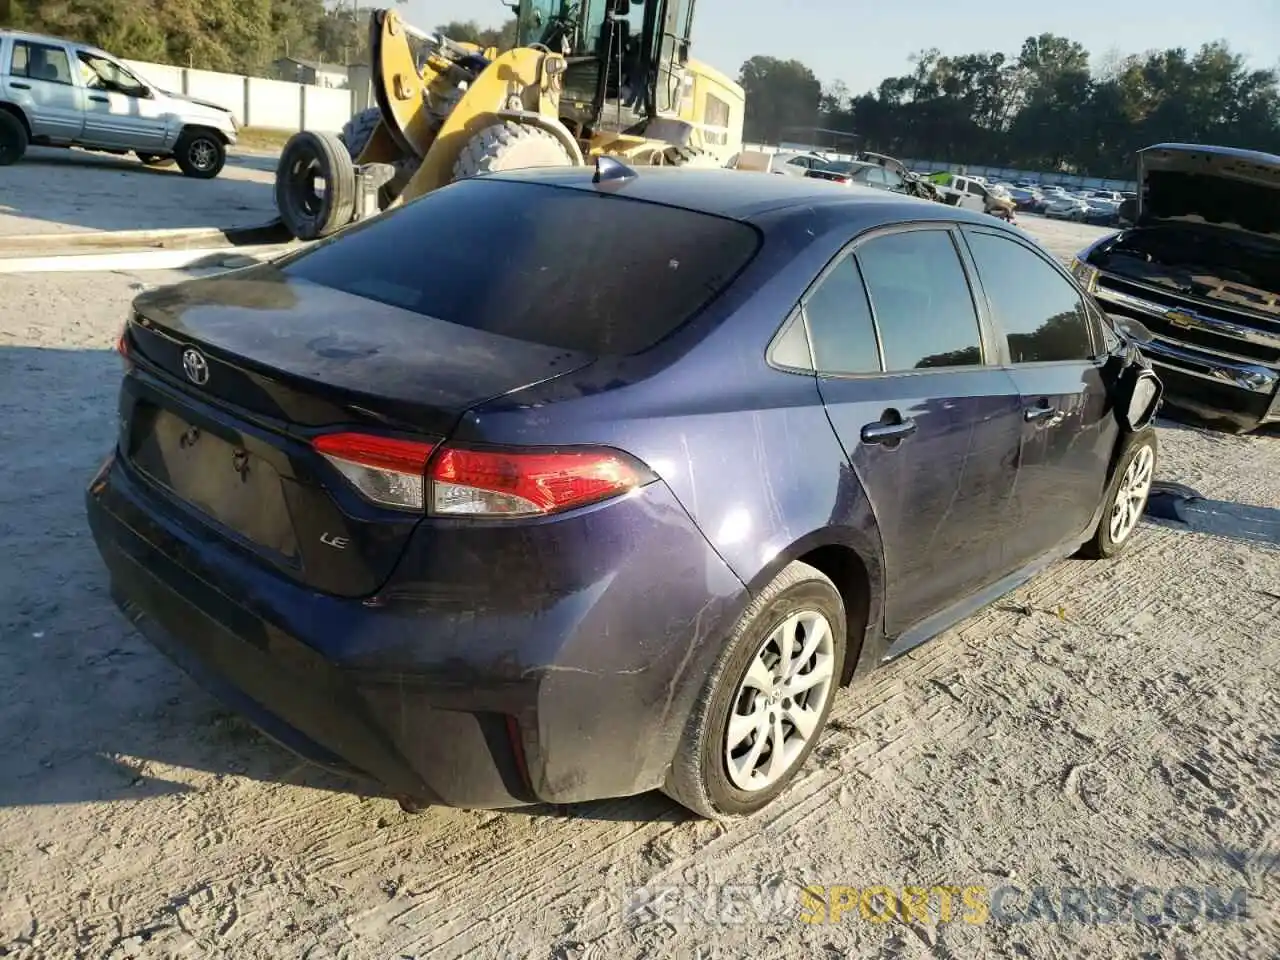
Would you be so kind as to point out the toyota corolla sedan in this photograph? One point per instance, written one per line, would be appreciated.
(613, 484)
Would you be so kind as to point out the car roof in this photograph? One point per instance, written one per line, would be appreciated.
(745, 195)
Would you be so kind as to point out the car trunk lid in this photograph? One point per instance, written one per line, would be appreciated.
(251, 367)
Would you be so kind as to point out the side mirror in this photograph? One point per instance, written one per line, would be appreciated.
(1128, 212)
(1131, 329)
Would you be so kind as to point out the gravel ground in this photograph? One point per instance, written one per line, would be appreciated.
(1109, 724)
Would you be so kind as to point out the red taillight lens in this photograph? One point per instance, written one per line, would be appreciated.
(387, 471)
(461, 482)
(490, 483)
(122, 345)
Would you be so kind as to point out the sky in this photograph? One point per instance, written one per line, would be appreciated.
(864, 41)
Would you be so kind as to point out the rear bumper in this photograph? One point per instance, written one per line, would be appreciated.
(436, 701)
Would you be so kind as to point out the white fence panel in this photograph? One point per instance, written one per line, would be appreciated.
(324, 109)
(256, 101)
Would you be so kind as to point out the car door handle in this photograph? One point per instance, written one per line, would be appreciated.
(1032, 414)
(100, 99)
(886, 431)
(19, 86)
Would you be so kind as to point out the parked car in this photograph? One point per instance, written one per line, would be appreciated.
(1067, 208)
(59, 93)
(863, 173)
(1031, 201)
(786, 163)
(1199, 267)
(533, 532)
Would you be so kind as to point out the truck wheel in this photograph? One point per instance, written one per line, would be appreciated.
(510, 146)
(358, 131)
(200, 154)
(691, 157)
(315, 185)
(767, 699)
(356, 134)
(13, 139)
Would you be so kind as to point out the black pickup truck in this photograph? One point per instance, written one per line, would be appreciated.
(1199, 266)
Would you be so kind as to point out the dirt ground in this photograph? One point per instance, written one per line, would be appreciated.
(70, 191)
(1110, 724)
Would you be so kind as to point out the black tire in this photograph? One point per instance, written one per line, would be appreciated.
(201, 154)
(309, 156)
(356, 134)
(699, 776)
(358, 131)
(1101, 546)
(510, 146)
(154, 159)
(691, 157)
(13, 139)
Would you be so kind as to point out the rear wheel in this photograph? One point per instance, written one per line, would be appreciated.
(356, 134)
(315, 185)
(511, 146)
(13, 139)
(767, 699)
(200, 154)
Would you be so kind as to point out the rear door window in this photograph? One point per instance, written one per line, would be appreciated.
(840, 325)
(563, 267)
(38, 61)
(921, 301)
(1041, 311)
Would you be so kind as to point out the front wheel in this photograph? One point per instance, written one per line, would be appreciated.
(200, 154)
(510, 146)
(1126, 497)
(767, 699)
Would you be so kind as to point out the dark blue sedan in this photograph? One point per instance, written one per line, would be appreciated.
(549, 487)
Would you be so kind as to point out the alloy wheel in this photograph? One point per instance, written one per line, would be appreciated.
(203, 155)
(1131, 496)
(780, 701)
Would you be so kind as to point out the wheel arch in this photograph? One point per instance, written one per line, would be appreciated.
(193, 128)
(854, 561)
(17, 111)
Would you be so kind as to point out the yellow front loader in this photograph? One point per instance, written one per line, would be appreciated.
(585, 79)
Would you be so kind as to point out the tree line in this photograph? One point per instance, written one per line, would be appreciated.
(1046, 109)
(235, 36)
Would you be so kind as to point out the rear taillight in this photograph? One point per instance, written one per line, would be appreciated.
(122, 346)
(503, 483)
(465, 482)
(387, 471)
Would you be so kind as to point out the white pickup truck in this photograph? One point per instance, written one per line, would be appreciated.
(969, 192)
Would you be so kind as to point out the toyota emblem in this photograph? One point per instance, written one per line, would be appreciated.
(195, 366)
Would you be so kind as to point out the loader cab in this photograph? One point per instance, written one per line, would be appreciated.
(626, 58)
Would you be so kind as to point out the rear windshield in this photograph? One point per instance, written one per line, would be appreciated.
(574, 269)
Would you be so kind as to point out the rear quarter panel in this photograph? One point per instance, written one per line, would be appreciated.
(747, 449)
